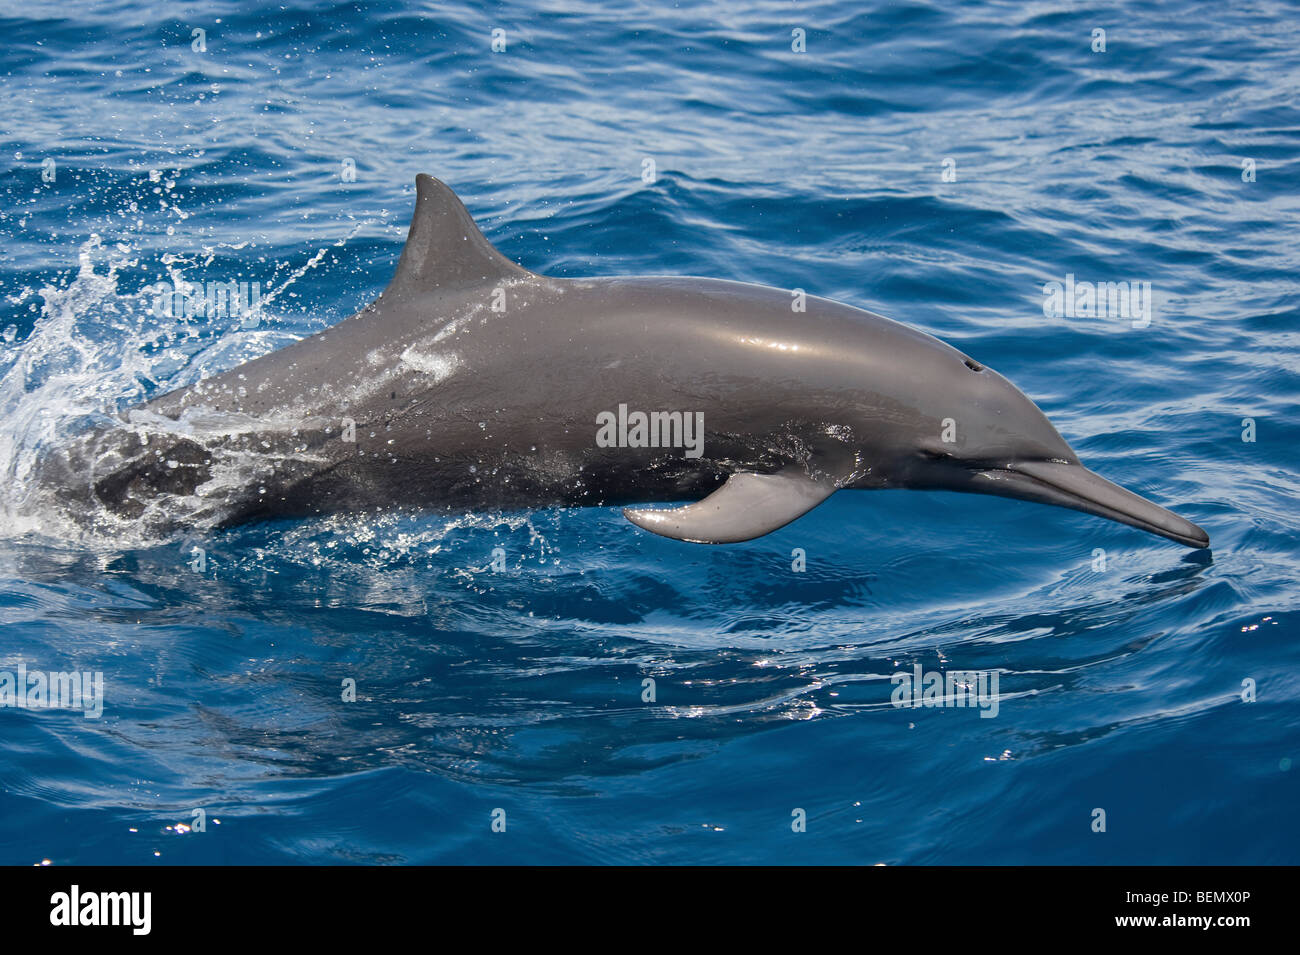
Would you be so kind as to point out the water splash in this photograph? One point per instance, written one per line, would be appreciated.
(88, 353)
(95, 349)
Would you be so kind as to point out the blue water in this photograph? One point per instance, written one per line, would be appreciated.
(521, 690)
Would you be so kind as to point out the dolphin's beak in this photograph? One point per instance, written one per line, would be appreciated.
(1074, 486)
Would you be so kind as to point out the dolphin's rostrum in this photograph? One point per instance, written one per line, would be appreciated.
(472, 382)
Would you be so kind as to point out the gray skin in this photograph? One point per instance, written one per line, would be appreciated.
(458, 404)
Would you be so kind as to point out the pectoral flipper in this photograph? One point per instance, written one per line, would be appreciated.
(749, 505)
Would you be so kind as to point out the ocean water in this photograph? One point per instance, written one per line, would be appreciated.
(938, 163)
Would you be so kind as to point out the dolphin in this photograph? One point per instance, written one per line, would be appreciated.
(472, 382)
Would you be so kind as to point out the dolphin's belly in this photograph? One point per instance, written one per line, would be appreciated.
(231, 469)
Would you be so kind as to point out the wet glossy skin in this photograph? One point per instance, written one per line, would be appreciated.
(473, 383)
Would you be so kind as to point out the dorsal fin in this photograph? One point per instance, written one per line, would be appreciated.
(445, 247)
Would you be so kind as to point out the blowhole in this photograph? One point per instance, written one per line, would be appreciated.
(972, 364)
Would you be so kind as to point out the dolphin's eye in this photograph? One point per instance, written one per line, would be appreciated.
(972, 364)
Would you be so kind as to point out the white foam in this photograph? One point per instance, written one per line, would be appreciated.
(438, 365)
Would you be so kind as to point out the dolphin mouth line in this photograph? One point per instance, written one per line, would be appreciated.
(1072, 485)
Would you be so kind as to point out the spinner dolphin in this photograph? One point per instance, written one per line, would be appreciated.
(472, 382)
